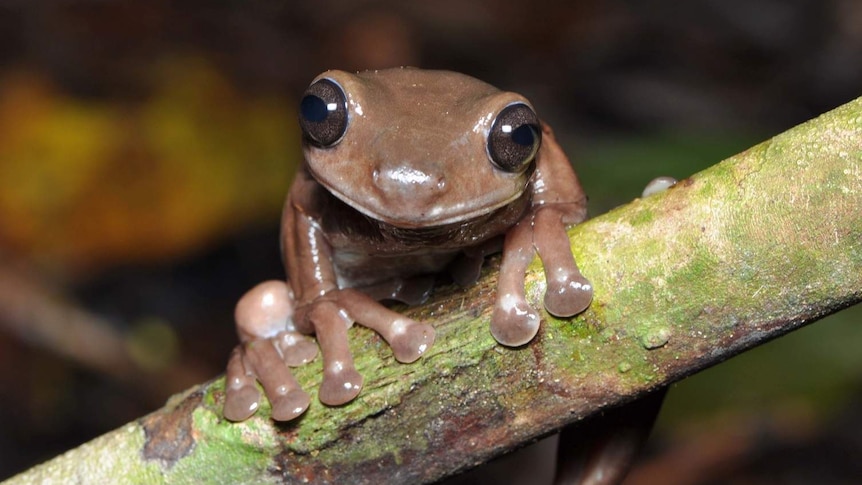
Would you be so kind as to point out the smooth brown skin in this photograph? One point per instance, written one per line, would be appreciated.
(408, 192)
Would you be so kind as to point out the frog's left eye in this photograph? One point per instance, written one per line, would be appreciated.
(514, 138)
(323, 113)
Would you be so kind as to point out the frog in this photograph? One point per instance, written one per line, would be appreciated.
(407, 174)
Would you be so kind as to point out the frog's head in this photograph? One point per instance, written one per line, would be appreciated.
(415, 148)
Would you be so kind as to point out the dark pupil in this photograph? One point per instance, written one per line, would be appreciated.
(313, 108)
(524, 135)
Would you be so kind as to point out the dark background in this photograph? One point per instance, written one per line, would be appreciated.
(145, 149)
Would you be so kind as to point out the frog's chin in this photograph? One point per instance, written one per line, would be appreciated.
(433, 217)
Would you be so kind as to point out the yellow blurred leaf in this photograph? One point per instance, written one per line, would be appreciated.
(88, 183)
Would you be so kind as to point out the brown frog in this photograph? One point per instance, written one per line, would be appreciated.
(407, 173)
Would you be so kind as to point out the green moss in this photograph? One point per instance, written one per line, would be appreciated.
(643, 216)
(655, 337)
(247, 448)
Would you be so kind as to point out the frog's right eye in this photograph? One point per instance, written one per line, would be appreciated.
(514, 138)
(323, 113)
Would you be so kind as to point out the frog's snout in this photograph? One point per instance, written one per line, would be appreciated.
(409, 181)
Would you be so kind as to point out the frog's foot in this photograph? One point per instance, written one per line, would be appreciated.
(259, 359)
(295, 349)
(408, 338)
(262, 315)
(514, 322)
(332, 314)
(568, 292)
(341, 382)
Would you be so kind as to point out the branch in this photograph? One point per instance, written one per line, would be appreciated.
(741, 253)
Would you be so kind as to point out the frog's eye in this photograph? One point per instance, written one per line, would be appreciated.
(514, 138)
(323, 113)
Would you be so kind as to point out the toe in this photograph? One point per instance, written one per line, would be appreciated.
(568, 298)
(240, 403)
(241, 396)
(340, 387)
(290, 405)
(275, 377)
(514, 322)
(411, 341)
(296, 349)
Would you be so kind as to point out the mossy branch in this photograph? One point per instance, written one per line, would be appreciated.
(743, 252)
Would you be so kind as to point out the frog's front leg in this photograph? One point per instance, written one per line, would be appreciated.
(568, 292)
(514, 322)
(328, 311)
(558, 201)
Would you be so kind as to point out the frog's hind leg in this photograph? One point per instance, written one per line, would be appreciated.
(258, 359)
(288, 400)
(262, 316)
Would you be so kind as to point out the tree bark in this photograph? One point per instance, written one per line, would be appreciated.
(729, 258)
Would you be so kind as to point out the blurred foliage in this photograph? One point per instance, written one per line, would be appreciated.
(88, 183)
(616, 170)
(815, 371)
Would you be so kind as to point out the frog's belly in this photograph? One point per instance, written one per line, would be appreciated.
(356, 270)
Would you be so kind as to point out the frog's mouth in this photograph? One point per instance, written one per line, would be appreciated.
(464, 232)
(418, 211)
(400, 238)
(431, 219)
